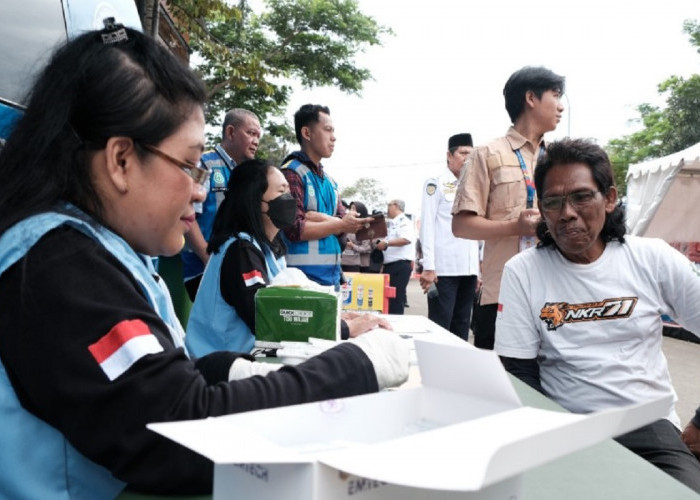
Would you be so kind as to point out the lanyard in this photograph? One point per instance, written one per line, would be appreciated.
(529, 183)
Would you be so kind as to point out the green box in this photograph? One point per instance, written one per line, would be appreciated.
(295, 314)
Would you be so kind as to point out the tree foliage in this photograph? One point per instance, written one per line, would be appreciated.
(273, 149)
(367, 190)
(664, 130)
(250, 59)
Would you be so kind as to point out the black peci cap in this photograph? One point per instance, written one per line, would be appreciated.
(460, 140)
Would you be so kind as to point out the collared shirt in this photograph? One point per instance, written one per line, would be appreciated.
(211, 186)
(230, 162)
(400, 227)
(443, 252)
(492, 186)
(296, 187)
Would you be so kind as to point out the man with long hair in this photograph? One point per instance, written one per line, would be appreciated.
(580, 315)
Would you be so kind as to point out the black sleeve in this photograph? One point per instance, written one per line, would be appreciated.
(243, 261)
(527, 370)
(344, 330)
(64, 296)
(215, 366)
(696, 418)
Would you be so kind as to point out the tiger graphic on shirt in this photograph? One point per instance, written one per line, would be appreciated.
(556, 314)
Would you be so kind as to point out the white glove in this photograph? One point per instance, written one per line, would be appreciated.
(242, 368)
(389, 355)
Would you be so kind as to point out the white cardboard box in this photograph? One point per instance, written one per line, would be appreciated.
(462, 434)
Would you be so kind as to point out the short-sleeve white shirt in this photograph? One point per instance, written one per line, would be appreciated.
(596, 329)
(400, 227)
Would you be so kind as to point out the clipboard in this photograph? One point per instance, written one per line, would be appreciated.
(373, 230)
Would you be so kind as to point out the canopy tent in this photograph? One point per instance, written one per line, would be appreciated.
(662, 200)
(662, 195)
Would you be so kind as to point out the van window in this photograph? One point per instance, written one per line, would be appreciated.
(30, 31)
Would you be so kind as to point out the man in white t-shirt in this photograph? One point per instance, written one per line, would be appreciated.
(580, 315)
(398, 253)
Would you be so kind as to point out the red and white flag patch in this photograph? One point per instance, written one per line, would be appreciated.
(252, 278)
(126, 343)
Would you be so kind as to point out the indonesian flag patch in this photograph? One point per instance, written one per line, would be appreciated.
(252, 278)
(126, 343)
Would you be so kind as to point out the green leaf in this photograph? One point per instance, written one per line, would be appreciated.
(248, 59)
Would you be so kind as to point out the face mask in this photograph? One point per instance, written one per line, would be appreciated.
(282, 210)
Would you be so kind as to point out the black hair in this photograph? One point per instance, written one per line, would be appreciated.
(240, 210)
(307, 115)
(457, 140)
(534, 78)
(360, 208)
(566, 152)
(88, 92)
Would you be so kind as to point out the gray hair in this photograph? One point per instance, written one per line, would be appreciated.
(237, 116)
(400, 204)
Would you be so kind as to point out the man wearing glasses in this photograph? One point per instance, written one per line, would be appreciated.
(495, 199)
(580, 315)
(239, 141)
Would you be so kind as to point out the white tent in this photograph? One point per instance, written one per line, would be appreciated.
(663, 196)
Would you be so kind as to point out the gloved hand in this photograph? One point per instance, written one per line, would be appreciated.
(242, 368)
(389, 355)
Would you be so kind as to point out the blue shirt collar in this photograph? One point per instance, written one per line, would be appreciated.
(230, 163)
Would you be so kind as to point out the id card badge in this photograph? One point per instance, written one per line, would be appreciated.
(527, 242)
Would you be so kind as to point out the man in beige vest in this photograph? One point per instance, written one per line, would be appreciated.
(495, 198)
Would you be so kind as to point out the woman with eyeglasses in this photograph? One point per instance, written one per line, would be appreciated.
(247, 252)
(100, 173)
(580, 315)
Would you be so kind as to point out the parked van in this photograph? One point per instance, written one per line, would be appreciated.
(31, 29)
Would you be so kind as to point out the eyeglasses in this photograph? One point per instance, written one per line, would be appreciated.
(578, 200)
(198, 173)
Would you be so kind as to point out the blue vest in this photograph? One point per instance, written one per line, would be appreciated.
(220, 165)
(36, 461)
(214, 324)
(318, 259)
